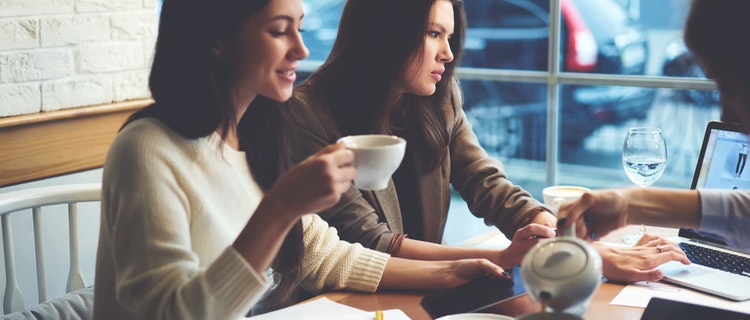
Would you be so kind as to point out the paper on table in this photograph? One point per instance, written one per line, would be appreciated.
(638, 294)
(326, 309)
(393, 314)
(498, 241)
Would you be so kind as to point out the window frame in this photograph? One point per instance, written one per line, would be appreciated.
(554, 79)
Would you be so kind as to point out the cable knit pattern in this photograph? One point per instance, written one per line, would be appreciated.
(171, 208)
(334, 264)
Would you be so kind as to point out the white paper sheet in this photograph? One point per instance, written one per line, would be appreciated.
(638, 294)
(326, 309)
(498, 241)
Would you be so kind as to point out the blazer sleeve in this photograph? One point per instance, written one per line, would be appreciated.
(481, 180)
(310, 128)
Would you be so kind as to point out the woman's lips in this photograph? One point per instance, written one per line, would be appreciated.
(438, 74)
(288, 75)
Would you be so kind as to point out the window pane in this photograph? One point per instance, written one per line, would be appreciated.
(509, 119)
(627, 37)
(321, 25)
(681, 114)
(598, 36)
(631, 36)
(507, 34)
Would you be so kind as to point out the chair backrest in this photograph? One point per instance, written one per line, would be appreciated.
(34, 199)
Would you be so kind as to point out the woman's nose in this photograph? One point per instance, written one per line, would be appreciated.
(299, 50)
(446, 54)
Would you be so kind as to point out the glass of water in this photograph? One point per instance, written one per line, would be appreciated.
(644, 158)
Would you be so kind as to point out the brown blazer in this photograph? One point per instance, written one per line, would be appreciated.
(372, 218)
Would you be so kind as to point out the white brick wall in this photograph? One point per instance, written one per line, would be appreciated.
(19, 34)
(59, 54)
(20, 99)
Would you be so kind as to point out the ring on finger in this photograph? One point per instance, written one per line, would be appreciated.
(658, 247)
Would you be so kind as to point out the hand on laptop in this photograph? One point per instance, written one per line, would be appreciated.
(639, 262)
(599, 212)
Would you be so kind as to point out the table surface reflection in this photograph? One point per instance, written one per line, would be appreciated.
(409, 302)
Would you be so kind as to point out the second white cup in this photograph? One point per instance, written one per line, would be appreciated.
(554, 196)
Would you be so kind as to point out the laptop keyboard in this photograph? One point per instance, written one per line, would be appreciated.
(717, 259)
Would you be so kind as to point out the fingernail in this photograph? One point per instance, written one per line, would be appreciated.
(561, 222)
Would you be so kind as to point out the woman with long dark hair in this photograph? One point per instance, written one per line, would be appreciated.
(197, 209)
(392, 71)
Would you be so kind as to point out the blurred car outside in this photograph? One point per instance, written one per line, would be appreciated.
(510, 118)
(680, 62)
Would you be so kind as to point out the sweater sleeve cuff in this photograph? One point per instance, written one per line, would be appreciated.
(234, 283)
(367, 273)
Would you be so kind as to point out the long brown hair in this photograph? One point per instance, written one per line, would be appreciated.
(375, 42)
(190, 89)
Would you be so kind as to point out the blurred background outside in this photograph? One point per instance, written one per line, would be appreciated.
(621, 64)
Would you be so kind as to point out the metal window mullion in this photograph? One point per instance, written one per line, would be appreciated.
(502, 75)
(553, 92)
(636, 81)
(505, 75)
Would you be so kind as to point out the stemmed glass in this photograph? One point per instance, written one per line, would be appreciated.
(644, 158)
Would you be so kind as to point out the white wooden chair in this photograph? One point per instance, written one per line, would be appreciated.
(19, 202)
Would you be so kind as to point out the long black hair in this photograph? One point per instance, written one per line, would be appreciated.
(375, 43)
(190, 89)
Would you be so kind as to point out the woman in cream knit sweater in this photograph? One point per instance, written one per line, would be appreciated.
(193, 224)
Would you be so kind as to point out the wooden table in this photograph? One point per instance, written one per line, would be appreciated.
(409, 302)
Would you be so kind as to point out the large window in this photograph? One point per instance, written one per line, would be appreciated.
(560, 116)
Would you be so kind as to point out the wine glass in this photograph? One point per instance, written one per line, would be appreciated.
(644, 158)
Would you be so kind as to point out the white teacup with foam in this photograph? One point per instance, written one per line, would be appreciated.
(554, 196)
(376, 158)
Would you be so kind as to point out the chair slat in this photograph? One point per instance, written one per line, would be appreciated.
(35, 199)
(41, 274)
(75, 276)
(12, 299)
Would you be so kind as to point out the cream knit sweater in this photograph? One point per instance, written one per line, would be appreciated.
(171, 208)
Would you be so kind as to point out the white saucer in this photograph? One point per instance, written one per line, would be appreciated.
(475, 316)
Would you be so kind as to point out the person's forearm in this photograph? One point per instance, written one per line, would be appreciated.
(422, 250)
(663, 207)
(545, 218)
(415, 275)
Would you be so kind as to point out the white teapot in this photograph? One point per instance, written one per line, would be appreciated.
(562, 274)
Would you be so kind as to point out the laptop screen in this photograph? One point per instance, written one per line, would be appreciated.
(722, 164)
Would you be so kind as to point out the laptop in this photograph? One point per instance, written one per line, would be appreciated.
(722, 164)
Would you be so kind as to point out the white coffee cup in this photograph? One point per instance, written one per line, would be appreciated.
(554, 196)
(376, 158)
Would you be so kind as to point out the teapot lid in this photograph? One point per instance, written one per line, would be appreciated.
(559, 259)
